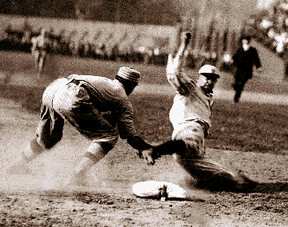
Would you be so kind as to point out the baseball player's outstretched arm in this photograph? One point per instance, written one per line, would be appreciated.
(145, 150)
(178, 79)
(169, 148)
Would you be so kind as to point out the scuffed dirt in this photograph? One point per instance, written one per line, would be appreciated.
(100, 209)
(108, 200)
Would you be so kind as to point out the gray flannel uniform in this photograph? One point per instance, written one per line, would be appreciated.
(97, 107)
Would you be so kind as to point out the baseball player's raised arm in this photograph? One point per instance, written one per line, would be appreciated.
(175, 76)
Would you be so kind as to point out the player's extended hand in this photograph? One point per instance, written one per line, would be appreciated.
(149, 156)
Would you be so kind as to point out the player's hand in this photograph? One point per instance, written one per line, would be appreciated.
(147, 155)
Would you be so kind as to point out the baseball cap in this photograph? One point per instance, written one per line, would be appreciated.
(210, 70)
(129, 74)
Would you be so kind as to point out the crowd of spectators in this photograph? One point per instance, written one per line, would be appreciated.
(104, 45)
(270, 27)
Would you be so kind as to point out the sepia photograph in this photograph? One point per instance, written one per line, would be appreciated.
(149, 113)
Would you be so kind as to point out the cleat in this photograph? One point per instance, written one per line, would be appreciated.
(245, 184)
(77, 180)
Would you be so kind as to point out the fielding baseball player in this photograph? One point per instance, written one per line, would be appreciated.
(98, 108)
(39, 50)
(190, 116)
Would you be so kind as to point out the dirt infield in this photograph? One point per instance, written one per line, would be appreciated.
(108, 199)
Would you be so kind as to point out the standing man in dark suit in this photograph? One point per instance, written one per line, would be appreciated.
(243, 60)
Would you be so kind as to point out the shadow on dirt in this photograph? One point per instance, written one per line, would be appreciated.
(227, 186)
(268, 188)
(271, 187)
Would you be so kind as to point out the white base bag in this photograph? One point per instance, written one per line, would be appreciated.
(150, 189)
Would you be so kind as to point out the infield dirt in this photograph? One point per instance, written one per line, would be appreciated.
(108, 199)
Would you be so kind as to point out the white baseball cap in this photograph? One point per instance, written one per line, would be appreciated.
(209, 70)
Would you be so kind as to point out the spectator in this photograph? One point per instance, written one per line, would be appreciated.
(84, 45)
(70, 43)
(243, 60)
(26, 43)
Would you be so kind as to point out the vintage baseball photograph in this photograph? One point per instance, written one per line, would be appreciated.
(148, 113)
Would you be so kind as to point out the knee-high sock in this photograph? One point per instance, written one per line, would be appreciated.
(93, 155)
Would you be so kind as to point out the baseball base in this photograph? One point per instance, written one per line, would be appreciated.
(151, 189)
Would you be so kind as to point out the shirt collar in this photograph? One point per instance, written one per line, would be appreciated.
(119, 83)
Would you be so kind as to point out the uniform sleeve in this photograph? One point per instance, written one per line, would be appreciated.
(125, 120)
(179, 80)
(126, 126)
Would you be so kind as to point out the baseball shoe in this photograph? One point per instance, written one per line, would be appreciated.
(245, 184)
(77, 179)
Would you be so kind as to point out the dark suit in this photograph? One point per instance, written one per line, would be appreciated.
(244, 61)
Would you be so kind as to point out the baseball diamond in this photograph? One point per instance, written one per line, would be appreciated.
(108, 197)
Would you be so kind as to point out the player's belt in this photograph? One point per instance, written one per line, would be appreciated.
(204, 124)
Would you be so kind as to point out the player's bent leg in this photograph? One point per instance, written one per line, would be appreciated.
(210, 174)
(94, 154)
(219, 177)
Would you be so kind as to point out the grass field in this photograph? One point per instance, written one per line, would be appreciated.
(245, 127)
